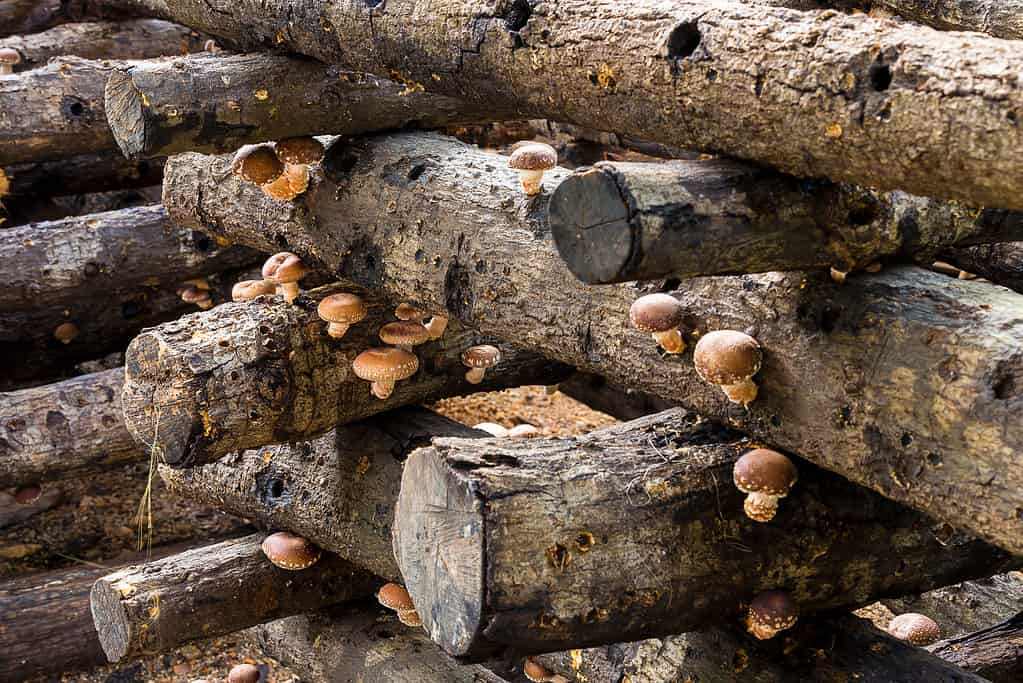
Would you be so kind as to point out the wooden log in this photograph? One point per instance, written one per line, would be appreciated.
(850, 98)
(968, 606)
(1001, 18)
(1000, 263)
(245, 375)
(32, 16)
(845, 365)
(14, 512)
(996, 653)
(337, 490)
(81, 174)
(619, 222)
(134, 39)
(624, 404)
(211, 591)
(636, 531)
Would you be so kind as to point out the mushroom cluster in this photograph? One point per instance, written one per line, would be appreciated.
(281, 169)
(434, 324)
(393, 596)
(285, 270)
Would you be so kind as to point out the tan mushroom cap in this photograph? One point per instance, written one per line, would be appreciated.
(284, 267)
(404, 333)
(300, 150)
(409, 312)
(774, 609)
(482, 356)
(10, 56)
(244, 673)
(916, 628)
(250, 289)
(385, 363)
(288, 551)
(410, 617)
(257, 164)
(534, 156)
(342, 308)
(534, 671)
(393, 596)
(656, 313)
(764, 471)
(727, 357)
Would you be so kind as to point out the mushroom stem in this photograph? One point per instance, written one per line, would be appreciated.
(761, 507)
(744, 392)
(337, 330)
(289, 290)
(670, 340)
(761, 631)
(205, 303)
(382, 388)
(436, 326)
(475, 375)
(532, 181)
(6, 69)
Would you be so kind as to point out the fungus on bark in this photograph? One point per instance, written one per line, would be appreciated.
(917, 629)
(404, 334)
(393, 596)
(659, 315)
(478, 359)
(191, 294)
(285, 270)
(340, 311)
(288, 551)
(383, 366)
(766, 476)
(770, 613)
(257, 164)
(409, 312)
(66, 332)
(531, 160)
(9, 57)
(729, 359)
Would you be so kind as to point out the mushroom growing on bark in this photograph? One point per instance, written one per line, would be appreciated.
(288, 551)
(766, 476)
(293, 181)
(285, 270)
(659, 315)
(770, 613)
(66, 332)
(9, 57)
(191, 294)
(437, 325)
(729, 359)
(478, 359)
(523, 431)
(243, 673)
(296, 154)
(404, 334)
(246, 290)
(409, 312)
(340, 311)
(917, 629)
(257, 164)
(531, 160)
(393, 596)
(383, 366)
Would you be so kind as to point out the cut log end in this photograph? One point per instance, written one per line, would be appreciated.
(112, 624)
(126, 113)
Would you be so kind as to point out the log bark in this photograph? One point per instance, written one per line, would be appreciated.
(212, 591)
(245, 375)
(1000, 263)
(337, 490)
(82, 174)
(968, 606)
(624, 404)
(635, 532)
(12, 512)
(821, 93)
(32, 16)
(216, 103)
(361, 642)
(619, 222)
(1001, 18)
(424, 218)
(996, 653)
(134, 39)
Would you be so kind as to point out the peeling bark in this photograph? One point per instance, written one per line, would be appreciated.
(996, 653)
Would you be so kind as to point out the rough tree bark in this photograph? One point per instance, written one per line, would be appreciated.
(97, 172)
(135, 39)
(624, 404)
(337, 490)
(211, 591)
(968, 606)
(245, 375)
(32, 16)
(1000, 263)
(1001, 18)
(996, 653)
(619, 222)
(636, 531)
(905, 381)
(816, 94)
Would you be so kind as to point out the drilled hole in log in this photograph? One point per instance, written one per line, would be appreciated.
(91, 269)
(862, 215)
(671, 284)
(906, 439)
(416, 171)
(880, 76)
(1008, 380)
(518, 15)
(933, 459)
(684, 40)
(75, 109)
(201, 241)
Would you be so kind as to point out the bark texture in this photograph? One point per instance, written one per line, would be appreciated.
(212, 591)
(619, 222)
(337, 490)
(1000, 263)
(968, 606)
(1001, 18)
(905, 381)
(815, 94)
(996, 653)
(97, 172)
(245, 375)
(636, 531)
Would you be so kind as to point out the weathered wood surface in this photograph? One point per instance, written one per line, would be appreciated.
(636, 531)
(31, 16)
(1001, 18)
(968, 606)
(624, 404)
(135, 39)
(12, 512)
(361, 642)
(216, 103)
(996, 653)
(1000, 263)
(337, 490)
(851, 98)
(211, 591)
(906, 381)
(81, 174)
(245, 375)
(618, 222)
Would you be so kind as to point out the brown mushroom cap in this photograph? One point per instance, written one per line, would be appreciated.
(915, 628)
(385, 363)
(342, 308)
(409, 312)
(300, 150)
(257, 164)
(191, 294)
(764, 471)
(534, 671)
(244, 673)
(250, 289)
(66, 332)
(534, 156)
(774, 609)
(482, 356)
(404, 333)
(393, 596)
(288, 551)
(8, 55)
(726, 357)
(284, 267)
(656, 313)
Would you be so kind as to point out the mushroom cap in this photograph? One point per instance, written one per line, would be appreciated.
(8, 55)
(284, 267)
(301, 150)
(774, 609)
(385, 362)
(288, 551)
(726, 357)
(410, 617)
(250, 289)
(66, 331)
(191, 294)
(482, 356)
(656, 313)
(342, 308)
(534, 671)
(764, 471)
(409, 312)
(244, 673)
(916, 628)
(404, 333)
(393, 596)
(534, 156)
(257, 164)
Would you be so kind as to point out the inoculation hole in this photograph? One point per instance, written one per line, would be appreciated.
(829, 317)
(671, 284)
(416, 171)
(1008, 380)
(518, 16)
(906, 439)
(201, 241)
(277, 488)
(684, 40)
(934, 459)
(74, 109)
(281, 241)
(862, 215)
(880, 76)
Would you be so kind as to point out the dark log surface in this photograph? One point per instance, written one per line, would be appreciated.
(32, 16)
(1002, 18)
(905, 381)
(337, 490)
(618, 222)
(245, 375)
(1000, 263)
(851, 98)
(968, 606)
(624, 404)
(211, 591)
(636, 531)
(996, 653)
(12, 512)
(97, 172)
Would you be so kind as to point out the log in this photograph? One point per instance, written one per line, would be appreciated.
(619, 222)
(1000, 263)
(845, 365)
(624, 404)
(337, 490)
(968, 606)
(245, 375)
(1001, 18)
(996, 653)
(81, 174)
(13, 512)
(212, 591)
(134, 39)
(32, 16)
(850, 98)
(636, 531)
